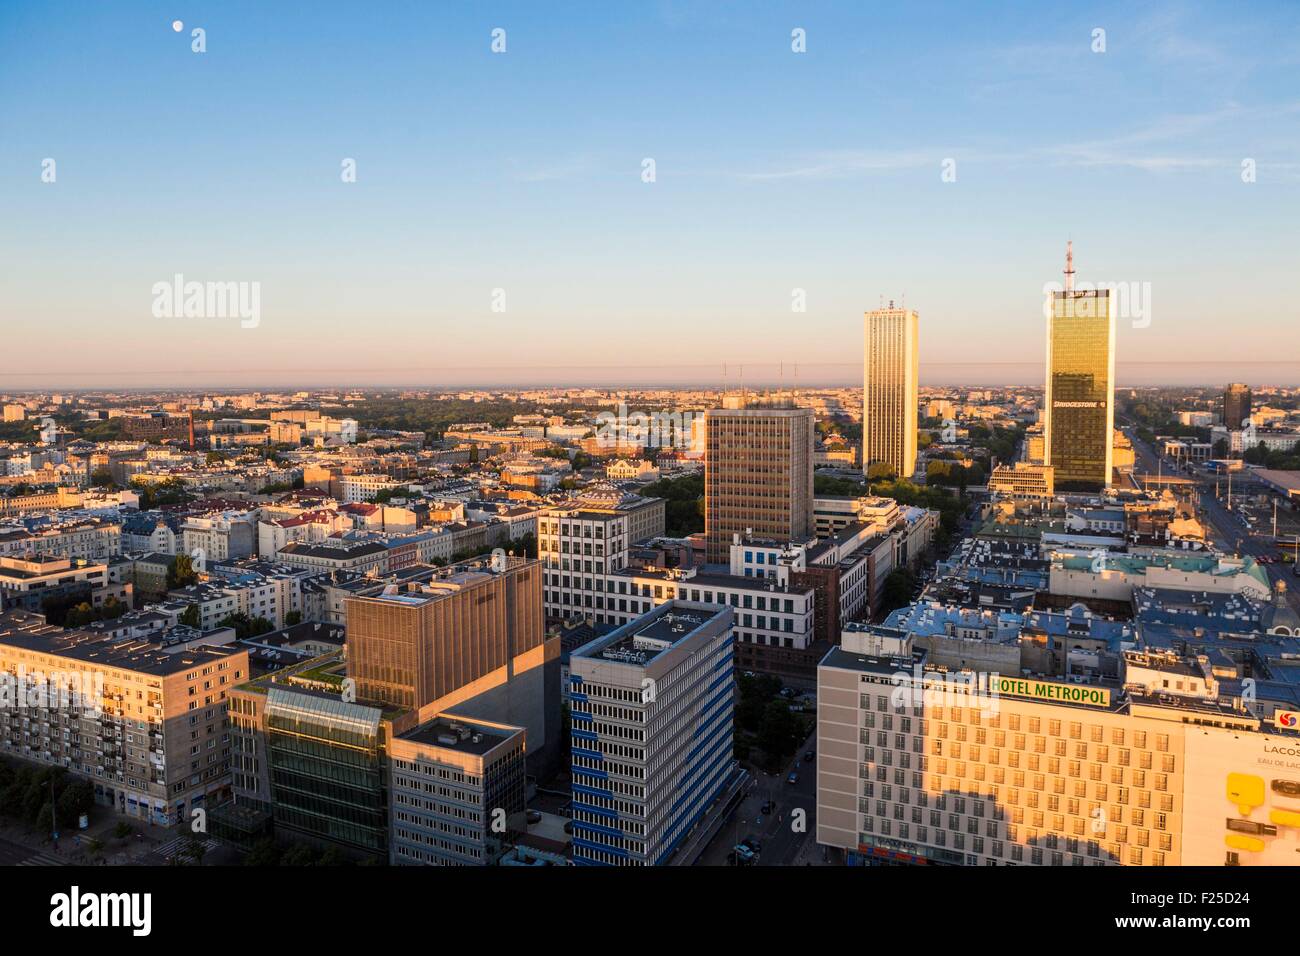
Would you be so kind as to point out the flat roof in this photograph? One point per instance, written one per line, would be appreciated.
(642, 640)
(452, 733)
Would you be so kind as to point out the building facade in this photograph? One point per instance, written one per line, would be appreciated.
(1080, 401)
(891, 371)
(758, 475)
(652, 710)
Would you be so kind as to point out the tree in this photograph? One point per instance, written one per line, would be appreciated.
(898, 590)
(180, 572)
(190, 616)
(779, 733)
(245, 626)
(684, 503)
(292, 618)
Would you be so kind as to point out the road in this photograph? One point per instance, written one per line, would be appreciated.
(1223, 527)
(15, 854)
(783, 845)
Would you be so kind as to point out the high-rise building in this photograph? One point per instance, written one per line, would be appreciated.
(890, 370)
(471, 639)
(1236, 405)
(1080, 402)
(758, 474)
(652, 708)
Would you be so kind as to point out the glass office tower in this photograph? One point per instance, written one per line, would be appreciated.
(1079, 418)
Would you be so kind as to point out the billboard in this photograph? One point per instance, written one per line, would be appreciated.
(1241, 798)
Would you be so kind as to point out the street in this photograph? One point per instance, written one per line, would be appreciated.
(781, 844)
(1223, 527)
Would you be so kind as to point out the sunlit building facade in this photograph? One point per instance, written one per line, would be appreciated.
(1080, 401)
(891, 368)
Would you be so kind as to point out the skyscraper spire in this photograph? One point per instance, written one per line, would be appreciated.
(1069, 265)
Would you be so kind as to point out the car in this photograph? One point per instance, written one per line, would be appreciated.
(809, 756)
(792, 779)
(767, 807)
(753, 844)
(534, 816)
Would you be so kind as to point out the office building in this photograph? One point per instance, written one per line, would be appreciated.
(1080, 400)
(891, 369)
(457, 792)
(1236, 406)
(652, 717)
(758, 474)
(471, 639)
(1022, 479)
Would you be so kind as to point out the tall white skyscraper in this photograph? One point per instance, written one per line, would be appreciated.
(891, 368)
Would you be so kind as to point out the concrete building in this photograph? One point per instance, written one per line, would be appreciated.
(891, 371)
(652, 710)
(472, 640)
(758, 475)
(457, 792)
(143, 721)
(1023, 480)
(924, 764)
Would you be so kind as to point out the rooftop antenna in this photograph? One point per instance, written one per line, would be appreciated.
(1069, 265)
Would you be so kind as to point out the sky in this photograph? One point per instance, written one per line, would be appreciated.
(501, 228)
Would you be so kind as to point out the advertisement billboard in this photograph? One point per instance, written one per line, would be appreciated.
(1241, 799)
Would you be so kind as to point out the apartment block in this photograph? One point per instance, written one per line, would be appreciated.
(144, 722)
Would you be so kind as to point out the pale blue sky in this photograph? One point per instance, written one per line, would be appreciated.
(522, 171)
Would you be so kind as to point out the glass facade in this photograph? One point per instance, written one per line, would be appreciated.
(1081, 389)
(327, 769)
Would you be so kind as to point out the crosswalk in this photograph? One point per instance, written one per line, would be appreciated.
(179, 844)
(41, 859)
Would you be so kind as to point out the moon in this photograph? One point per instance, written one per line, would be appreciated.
(178, 26)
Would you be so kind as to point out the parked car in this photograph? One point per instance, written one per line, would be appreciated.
(810, 756)
(534, 816)
(767, 807)
(793, 778)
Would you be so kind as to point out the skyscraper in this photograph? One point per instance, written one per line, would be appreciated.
(758, 474)
(1079, 418)
(889, 377)
(1236, 406)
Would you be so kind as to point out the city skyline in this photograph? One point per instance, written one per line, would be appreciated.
(460, 191)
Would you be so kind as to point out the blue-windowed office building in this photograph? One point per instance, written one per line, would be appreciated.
(651, 706)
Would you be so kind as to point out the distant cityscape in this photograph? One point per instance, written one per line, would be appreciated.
(888, 625)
